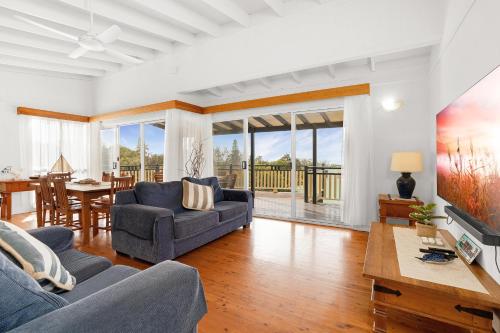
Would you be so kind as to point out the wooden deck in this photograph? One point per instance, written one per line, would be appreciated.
(279, 205)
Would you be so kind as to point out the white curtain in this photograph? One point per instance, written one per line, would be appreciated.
(358, 196)
(43, 140)
(183, 129)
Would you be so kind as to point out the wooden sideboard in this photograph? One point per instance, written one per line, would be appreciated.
(395, 207)
(434, 307)
(7, 187)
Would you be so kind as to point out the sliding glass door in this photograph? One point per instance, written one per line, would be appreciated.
(154, 151)
(271, 164)
(131, 156)
(319, 143)
(109, 160)
(294, 162)
(134, 149)
(229, 153)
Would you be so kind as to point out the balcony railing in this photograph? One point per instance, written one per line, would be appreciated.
(135, 170)
(317, 183)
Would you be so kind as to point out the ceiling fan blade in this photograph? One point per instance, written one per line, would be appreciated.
(110, 34)
(123, 56)
(77, 53)
(43, 26)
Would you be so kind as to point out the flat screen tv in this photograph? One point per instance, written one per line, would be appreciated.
(468, 158)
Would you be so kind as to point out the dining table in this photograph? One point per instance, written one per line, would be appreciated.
(83, 192)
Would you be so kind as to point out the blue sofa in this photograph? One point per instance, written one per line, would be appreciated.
(165, 298)
(150, 223)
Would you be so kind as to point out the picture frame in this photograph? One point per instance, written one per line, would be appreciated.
(467, 248)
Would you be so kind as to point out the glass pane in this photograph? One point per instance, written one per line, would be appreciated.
(228, 141)
(154, 149)
(319, 142)
(108, 139)
(271, 166)
(130, 151)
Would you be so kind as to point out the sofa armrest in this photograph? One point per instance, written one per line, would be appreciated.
(59, 239)
(167, 297)
(125, 197)
(141, 220)
(243, 196)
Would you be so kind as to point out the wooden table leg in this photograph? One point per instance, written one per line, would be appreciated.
(379, 318)
(3, 208)
(39, 214)
(7, 197)
(85, 219)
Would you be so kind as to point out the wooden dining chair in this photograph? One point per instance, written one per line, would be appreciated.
(102, 206)
(48, 202)
(64, 208)
(106, 176)
(66, 176)
(158, 177)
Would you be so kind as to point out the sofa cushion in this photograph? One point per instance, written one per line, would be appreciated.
(211, 181)
(36, 258)
(196, 196)
(230, 209)
(82, 265)
(22, 299)
(192, 222)
(163, 195)
(98, 282)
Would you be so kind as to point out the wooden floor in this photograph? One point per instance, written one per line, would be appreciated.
(273, 277)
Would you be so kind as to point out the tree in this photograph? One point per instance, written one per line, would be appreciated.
(235, 156)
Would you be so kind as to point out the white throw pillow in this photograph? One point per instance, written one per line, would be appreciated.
(36, 258)
(197, 197)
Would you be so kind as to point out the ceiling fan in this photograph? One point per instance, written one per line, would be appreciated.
(90, 41)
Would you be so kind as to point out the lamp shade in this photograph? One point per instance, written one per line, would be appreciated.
(406, 162)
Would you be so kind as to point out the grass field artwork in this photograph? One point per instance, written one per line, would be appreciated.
(468, 151)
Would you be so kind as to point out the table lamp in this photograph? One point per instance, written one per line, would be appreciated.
(406, 163)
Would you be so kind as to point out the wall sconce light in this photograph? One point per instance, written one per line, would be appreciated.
(391, 104)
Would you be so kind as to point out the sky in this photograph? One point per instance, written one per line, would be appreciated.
(272, 145)
(153, 137)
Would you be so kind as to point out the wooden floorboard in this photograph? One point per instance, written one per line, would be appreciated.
(275, 276)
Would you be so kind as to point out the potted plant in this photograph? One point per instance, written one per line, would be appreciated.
(424, 215)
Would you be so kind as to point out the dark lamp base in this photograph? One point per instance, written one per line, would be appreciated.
(406, 185)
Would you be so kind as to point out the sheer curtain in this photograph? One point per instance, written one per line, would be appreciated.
(183, 129)
(43, 140)
(359, 198)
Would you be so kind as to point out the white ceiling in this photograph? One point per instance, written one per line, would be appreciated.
(149, 28)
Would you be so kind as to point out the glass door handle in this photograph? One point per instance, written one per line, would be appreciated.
(244, 165)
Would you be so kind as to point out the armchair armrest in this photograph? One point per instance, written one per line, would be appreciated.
(167, 297)
(59, 239)
(243, 196)
(125, 197)
(141, 220)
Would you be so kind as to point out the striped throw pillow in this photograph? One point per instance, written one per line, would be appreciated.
(36, 258)
(197, 197)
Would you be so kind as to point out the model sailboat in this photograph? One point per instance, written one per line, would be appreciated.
(62, 166)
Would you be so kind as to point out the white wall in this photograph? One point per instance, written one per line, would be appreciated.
(470, 50)
(50, 92)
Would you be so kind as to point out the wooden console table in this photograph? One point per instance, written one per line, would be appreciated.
(393, 206)
(7, 187)
(437, 307)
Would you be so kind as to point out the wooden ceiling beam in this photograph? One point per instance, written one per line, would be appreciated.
(51, 114)
(263, 121)
(359, 89)
(230, 9)
(178, 12)
(51, 11)
(281, 119)
(277, 6)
